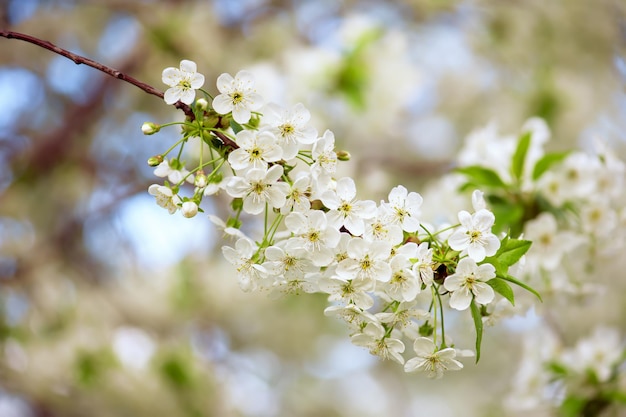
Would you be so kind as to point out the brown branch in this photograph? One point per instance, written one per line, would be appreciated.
(78, 60)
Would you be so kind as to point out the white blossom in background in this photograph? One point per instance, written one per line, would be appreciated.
(549, 243)
(183, 82)
(599, 353)
(237, 96)
(469, 282)
(474, 235)
(430, 360)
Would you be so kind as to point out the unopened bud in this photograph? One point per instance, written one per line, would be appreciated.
(202, 104)
(189, 209)
(149, 128)
(201, 180)
(343, 155)
(155, 160)
(237, 204)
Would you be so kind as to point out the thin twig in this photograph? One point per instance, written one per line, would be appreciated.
(78, 60)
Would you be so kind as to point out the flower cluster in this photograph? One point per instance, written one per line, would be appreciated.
(389, 274)
(588, 378)
(569, 204)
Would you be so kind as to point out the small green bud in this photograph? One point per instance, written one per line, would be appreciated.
(237, 204)
(202, 104)
(155, 160)
(149, 128)
(343, 155)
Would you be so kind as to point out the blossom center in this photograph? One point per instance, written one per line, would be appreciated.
(237, 97)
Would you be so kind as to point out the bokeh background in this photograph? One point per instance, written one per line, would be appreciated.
(109, 306)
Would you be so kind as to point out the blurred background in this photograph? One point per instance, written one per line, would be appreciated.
(111, 307)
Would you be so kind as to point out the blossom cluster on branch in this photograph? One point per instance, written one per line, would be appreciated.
(389, 274)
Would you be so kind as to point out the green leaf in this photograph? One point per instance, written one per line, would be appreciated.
(511, 250)
(521, 284)
(478, 324)
(503, 288)
(572, 406)
(235, 126)
(546, 162)
(481, 176)
(519, 157)
(508, 215)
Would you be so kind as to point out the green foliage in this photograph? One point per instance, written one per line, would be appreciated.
(546, 162)
(519, 157)
(176, 370)
(478, 325)
(479, 176)
(501, 287)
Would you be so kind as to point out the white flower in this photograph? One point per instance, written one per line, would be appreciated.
(599, 353)
(403, 315)
(297, 199)
(475, 235)
(469, 280)
(598, 219)
(324, 156)
(374, 338)
(367, 261)
(238, 96)
(174, 175)
(258, 188)
(289, 260)
(424, 265)
(290, 127)
(228, 230)
(430, 360)
(404, 284)
(165, 197)
(345, 210)
(549, 244)
(189, 209)
(183, 82)
(347, 291)
(403, 208)
(255, 150)
(242, 256)
(378, 228)
(312, 233)
(351, 314)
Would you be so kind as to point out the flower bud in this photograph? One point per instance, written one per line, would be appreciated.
(155, 160)
(343, 155)
(201, 180)
(189, 209)
(202, 104)
(149, 128)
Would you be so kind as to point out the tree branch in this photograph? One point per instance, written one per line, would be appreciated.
(78, 60)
